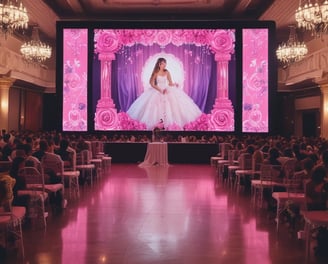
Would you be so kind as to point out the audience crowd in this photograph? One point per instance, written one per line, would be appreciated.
(310, 154)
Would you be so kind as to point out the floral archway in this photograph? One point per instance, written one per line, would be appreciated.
(220, 42)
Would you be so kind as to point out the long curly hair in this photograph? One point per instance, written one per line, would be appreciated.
(156, 67)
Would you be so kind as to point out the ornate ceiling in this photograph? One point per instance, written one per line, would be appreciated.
(47, 12)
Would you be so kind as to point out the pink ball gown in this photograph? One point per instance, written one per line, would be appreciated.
(175, 107)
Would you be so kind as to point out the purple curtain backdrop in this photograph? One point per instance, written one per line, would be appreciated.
(199, 66)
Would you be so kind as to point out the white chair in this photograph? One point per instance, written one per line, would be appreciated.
(53, 164)
(222, 154)
(224, 160)
(294, 195)
(84, 165)
(97, 148)
(99, 154)
(72, 174)
(244, 168)
(268, 174)
(233, 165)
(107, 163)
(38, 197)
(98, 166)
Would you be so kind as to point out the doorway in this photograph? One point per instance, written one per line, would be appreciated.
(310, 123)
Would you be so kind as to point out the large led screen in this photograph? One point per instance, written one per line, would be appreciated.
(255, 101)
(179, 79)
(75, 75)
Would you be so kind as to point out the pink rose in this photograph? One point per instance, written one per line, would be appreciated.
(73, 81)
(200, 37)
(108, 118)
(222, 41)
(179, 37)
(127, 37)
(221, 120)
(163, 37)
(147, 38)
(107, 41)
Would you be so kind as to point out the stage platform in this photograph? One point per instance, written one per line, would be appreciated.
(177, 152)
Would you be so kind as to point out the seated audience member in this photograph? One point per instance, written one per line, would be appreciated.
(213, 139)
(273, 159)
(308, 165)
(30, 160)
(316, 190)
(299, 154)
(18, 151)
(65, 155)
(273, 156)
(81, 145)
(258, 159)
(18, 163)
(50, 176)
(43, 148)
(7, 148)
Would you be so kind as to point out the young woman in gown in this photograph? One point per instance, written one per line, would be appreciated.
(164, 101)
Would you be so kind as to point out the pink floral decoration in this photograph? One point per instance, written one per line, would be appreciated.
(108, 118)
(127, 123)
(222, 41)
(178, 37)
(255, 81)
(147, 37)
(201, 123)
(173, 127)
(128, 37)
(72, 82)
(75, 56)
(111, 40)
(107, 41)
(163, 37)
(201, 37)
(221, 120)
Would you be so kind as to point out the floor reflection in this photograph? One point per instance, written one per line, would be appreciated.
(157, 174)
(173, 214)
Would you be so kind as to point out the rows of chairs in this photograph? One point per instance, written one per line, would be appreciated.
(40, 195)
(281, 181)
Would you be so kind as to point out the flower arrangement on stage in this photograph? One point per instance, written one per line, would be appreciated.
(218, 40)
(127, 123)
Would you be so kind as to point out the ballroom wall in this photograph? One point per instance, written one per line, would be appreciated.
(22, 86)
(34, 87)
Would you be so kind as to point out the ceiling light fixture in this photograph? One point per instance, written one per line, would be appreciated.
(292, 50)
(13, 15)
(35, 51)
(312, 17)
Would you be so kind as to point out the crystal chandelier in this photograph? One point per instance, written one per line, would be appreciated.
(313, 17)
(13, 15)
(35, 51)
(292, 50)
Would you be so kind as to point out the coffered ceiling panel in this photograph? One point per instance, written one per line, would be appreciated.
(47, 12)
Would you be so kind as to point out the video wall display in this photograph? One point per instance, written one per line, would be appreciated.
(206, 78)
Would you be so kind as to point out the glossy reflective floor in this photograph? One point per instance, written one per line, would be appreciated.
(173, 215)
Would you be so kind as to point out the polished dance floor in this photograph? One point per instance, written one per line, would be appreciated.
(172, 215)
